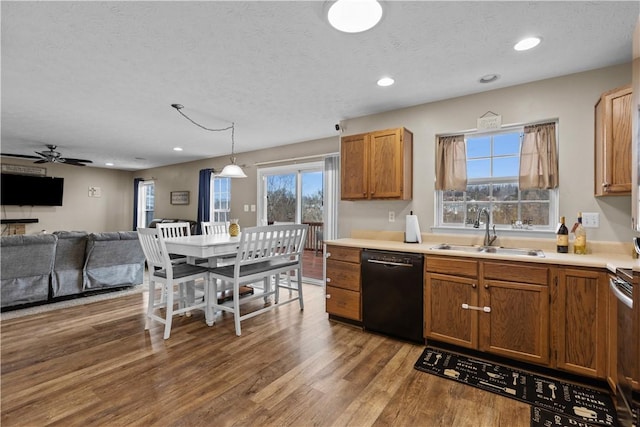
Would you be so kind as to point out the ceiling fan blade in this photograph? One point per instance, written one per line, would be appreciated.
(42, 161)
(73, 163)
(72, 160)
(23, 156)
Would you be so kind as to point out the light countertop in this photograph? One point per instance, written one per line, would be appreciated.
(610, 255)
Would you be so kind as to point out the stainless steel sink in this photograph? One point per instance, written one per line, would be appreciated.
(491, 250)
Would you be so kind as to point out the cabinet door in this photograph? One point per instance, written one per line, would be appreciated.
(445, 319)
(580, 310)
(385, 174)
(343, 303)
(354, 169)
(613, 143)
(518, 324)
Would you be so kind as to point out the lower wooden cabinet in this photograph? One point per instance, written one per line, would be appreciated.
(343, 297)
(579, 310)
(473, 309)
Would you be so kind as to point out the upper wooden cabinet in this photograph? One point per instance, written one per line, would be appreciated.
(613, 143)
(377, 165)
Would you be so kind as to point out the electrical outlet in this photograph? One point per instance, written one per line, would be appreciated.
(392, 216)
(246, 208)
(253, 208)
(590, 219)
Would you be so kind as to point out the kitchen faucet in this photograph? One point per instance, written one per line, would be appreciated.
(488, 239)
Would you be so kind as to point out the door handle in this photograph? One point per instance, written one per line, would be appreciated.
(466, 306)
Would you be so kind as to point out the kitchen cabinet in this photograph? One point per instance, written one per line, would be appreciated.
(613, 143)
(579, 313)
(496, 307)
(342, 280)
(377, 165)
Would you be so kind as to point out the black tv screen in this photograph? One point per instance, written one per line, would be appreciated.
(31, 190)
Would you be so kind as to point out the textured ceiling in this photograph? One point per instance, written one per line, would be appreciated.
(97, 78)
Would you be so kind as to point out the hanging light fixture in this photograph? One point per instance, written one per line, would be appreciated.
(231, 170)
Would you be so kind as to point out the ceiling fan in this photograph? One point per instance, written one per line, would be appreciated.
(50, 156)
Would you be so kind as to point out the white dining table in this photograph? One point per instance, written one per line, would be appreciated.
(210, 247)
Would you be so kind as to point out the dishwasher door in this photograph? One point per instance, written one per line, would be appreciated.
(392, 289)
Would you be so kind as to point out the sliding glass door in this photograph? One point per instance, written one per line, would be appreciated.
(294, 194)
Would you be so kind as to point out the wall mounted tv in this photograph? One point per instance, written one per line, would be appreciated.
(30, 190)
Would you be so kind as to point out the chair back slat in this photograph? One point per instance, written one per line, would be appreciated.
(273, 242)
(174, 229)
(211, 228)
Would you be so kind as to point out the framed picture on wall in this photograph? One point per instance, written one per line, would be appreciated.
(179, 197)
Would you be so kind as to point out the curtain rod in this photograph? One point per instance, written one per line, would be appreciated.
(293, 159)
(508, 125)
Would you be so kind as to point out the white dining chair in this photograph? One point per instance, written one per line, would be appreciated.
(210, 227)
(170, 275)
(174, 229)
(263, 253)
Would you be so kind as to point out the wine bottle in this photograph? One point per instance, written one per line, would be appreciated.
(562, 237)
(580, 243)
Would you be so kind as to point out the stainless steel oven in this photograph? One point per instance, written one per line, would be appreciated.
(622, 288)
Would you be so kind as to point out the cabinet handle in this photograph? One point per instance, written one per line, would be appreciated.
(474, 285)
(605, 185)
(328, 296)
(328, 254)
(328, 279)
(486, 286)
(466, 306)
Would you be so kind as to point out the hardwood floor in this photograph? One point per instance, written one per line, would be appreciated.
(95, 365)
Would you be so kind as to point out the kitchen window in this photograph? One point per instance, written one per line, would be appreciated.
(492, 165)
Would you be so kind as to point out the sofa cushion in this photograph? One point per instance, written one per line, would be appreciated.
(25, 268)
(113, 259)
(68, 278)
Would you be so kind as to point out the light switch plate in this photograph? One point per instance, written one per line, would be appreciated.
(590, 219)
(246, 208)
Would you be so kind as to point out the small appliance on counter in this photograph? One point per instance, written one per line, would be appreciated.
(412, 231)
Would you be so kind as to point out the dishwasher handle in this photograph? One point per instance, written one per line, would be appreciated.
(619, 295)
(395, 264)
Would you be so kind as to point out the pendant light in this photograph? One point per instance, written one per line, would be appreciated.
(231, 170)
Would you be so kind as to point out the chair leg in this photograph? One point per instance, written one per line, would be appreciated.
(300, 300)
(209, 295)
(151, 304)
(236, 307)
(168, 311)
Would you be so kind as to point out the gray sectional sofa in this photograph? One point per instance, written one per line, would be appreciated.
(48, 267)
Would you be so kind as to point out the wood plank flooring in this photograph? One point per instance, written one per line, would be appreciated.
(95, 365)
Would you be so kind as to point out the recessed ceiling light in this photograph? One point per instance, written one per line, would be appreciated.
(354, 16)
(528, 43)
(489, 78)
(386, 81)
(177, 148)
(108, 164)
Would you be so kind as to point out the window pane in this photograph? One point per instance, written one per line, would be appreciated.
(473, 209)
(534, 195)
(478, 168)
(478, 147)
(452, 196)
(453, 213)
(505, 166)
(504, 192)
(281, 198)
(311, 196)
(504, 213)
(508, 143)
(535, 213)
(478, 192)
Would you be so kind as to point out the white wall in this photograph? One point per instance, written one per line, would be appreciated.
(113, 211)
(571, 99)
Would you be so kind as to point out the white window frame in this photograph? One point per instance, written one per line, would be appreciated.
(143, 187)
(515, 229)
(222, 214)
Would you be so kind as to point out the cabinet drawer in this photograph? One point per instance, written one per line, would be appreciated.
(522, 273)
(343, 303)
(341, 253)
(344, 275)
(450, 265)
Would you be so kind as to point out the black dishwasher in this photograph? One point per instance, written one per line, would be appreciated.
(392, 294)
